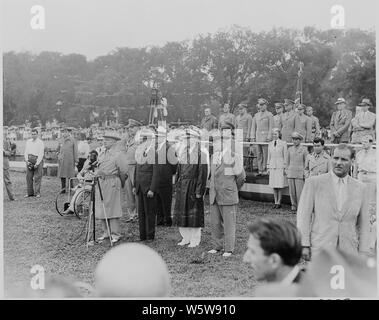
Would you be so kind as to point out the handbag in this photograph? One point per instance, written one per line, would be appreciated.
(32, 160)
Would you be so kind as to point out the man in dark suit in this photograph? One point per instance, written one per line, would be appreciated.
(340, 123)
(162, 186)
(145, 183)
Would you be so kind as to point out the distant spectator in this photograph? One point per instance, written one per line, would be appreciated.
(33, 155)
(132, 270)
(340, 123)
(83, 151)
(363, 123)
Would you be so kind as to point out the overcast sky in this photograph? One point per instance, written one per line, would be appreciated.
(95, 27)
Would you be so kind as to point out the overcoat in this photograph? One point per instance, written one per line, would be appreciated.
(67, 157)
(192, 180)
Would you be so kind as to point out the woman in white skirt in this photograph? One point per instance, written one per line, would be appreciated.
(277, 155)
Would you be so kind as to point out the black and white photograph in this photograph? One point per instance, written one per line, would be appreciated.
(196, 149)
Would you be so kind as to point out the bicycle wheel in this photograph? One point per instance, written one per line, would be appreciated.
(62, 201)
(82, 203)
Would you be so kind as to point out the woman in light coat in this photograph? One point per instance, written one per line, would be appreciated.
(277, 155)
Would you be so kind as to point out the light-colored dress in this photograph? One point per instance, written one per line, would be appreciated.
(277, 155)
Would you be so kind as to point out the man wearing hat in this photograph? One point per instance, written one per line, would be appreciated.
(296, 159)
(277, 119)
(111, 172)
(68, 157)
(244, 121)
(226, 116)
(131, 147)
(364, 122)
(340, 123)
(261, 131)
(288, 120)
(316, 131)
(144, 181)
(303, 124)
(209, 122)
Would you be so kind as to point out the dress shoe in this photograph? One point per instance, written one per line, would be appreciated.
(227, 254)
(192, 245)
(182, 243)
(275, 206)
(67, 212)
(213, 251)
(278, 206)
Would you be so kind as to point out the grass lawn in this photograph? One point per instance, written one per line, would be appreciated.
(35, 234)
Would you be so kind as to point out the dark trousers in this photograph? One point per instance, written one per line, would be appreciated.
(33, 180)
(8, 183)
(163, 206)
(81, 163)
(146, 216)
(63, 183)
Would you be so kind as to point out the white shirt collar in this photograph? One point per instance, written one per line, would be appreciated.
(336, 178)
(291, 276)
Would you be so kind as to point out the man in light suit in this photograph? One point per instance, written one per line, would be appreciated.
(340, 123)
(333, 209)
(364, 122)
(227, 177)
(261, 131)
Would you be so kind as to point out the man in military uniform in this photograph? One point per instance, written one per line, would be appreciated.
(209, 122)
(6, 155)
(111, 173)
(340, 123)
(288, 120)
(316, 131)
(364, 122)
(303, 124)
(244, 121)
(317, 162)
(131, 146)
(226, 116)
(261, 130)
(277, 119)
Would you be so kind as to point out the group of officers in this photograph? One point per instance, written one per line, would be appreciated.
(290, 117)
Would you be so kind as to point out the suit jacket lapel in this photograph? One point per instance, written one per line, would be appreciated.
(332, 193)
(350, 195)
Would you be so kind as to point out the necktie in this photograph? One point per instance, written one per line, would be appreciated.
(275, 143)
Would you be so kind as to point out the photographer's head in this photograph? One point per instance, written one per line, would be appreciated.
(93, 156)
(273, 249)
(132, 270)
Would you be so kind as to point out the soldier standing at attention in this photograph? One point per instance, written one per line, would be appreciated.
(288, 120)
(340, 123)
(317, 162)
(226, 116)
(316, 132)
(6, 177)
(303, 124)
(209, 122)
(262, 132)
(278, 117)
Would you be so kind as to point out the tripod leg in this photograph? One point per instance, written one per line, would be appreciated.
(105, 213)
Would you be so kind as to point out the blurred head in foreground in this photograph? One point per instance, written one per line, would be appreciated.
(273, 249)
(132, 270)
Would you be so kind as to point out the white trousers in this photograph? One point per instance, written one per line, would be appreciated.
(191, 235)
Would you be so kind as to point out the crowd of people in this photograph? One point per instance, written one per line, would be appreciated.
(335, 202)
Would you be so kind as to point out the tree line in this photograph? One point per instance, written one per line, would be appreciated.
(235, 65)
